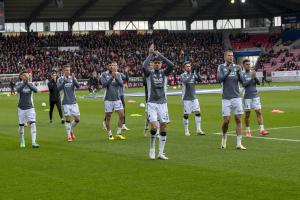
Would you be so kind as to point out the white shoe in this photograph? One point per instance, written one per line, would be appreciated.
(104, 126)
(22, 145)
(223, 144)
(125, 128)
(200, 132)
(187, 133)
(162, 156)
(152, 154)
(240, 147)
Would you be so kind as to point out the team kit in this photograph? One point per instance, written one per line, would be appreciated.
(230, 76)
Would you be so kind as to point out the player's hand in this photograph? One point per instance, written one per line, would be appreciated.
(65, 77)
(229, 67)
(253, 74)
(156, 52)
(73, 76)
(151, 48)
(113, 74)
(238, 68)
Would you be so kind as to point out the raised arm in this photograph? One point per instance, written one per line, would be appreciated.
(32, 87)
(257, 81)
(76, 83)
(170, 64)
(119, 80)
(20, 86)
(105, 82)
(124, 76)
(60, 83)
(186, 77)
(146, 64)
(221, 76)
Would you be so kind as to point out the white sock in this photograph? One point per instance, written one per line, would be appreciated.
(261, 127)
(198, 122)
(33, 133)
(247, 128)
(239, 140)
(162, 143)
(186, 125)
(73, 124)
(21, 133)
(109, 133)
(119, 130)
(152, 141)
(68, 128)
(224, 135)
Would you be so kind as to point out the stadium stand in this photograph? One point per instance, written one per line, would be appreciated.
(41, 54)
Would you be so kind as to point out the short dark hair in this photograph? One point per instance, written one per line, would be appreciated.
(186, 62)
(246, 60)
(23, 72)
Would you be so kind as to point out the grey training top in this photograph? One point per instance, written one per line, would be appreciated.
(68, 86)
(121, 89)
(188, 80)
(111, 85)
(250, 85)
(25, 90)
(230, 81)
(157, 80)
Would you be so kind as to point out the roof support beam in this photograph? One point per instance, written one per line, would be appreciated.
(78, 13)
(165, 9)
(123, 10)
(33, 15)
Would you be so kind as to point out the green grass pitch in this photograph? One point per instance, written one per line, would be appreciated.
(92, 167)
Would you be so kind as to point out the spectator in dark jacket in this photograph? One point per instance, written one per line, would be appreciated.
(54, 97)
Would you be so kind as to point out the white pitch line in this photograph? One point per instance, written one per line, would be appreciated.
(269, 138)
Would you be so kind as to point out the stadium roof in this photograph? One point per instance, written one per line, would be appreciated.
(151, 10)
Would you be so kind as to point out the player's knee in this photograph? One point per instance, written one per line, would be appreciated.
(77, 120)
(163, 133)
(153, 126)
(185, 116)
(31, 122)
(226, 122)
(68, 121)
(21, 124)
(197, 114)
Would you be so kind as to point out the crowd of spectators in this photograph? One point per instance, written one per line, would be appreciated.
(288, 61)
(40, 54)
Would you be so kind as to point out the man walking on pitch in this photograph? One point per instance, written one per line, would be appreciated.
(157, 103)
(251, 98)
(68, 83)
(54, 97)
(229, 76)
(26, 111)
(189, 100)
(112, 81)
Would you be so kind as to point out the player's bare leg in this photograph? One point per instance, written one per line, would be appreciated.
(162, 141)
(247, 123)
(238, 130)
(107, 124)
(120, 124)
(226, 120)
(74, 123)
(260, 121)
(68, 128)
